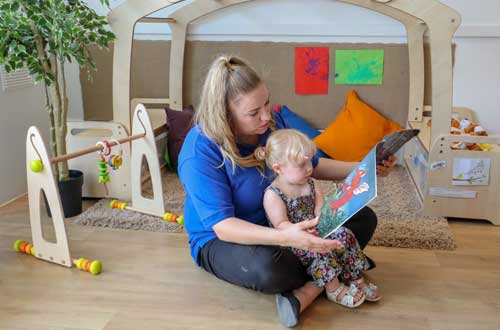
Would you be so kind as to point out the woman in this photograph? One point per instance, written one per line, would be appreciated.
(228, 231)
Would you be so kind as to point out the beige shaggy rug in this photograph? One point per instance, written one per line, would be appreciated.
(400, 219)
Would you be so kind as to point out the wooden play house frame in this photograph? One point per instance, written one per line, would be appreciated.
(431, 17)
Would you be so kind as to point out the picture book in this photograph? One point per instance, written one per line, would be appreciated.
(360, 186)
(393, 142)
(349, 196)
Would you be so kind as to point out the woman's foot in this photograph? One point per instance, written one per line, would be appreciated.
(370, 290)
(348, 296)
(288, 307)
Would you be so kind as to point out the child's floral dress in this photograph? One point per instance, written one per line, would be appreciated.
(347, 263)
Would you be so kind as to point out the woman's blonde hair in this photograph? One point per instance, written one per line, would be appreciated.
(228, 78)
(286, 146)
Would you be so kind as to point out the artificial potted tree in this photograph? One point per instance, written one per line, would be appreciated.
(43, 35)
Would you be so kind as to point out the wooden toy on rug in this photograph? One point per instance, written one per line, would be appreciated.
(92, 266)
(172, 217)
(167, 216)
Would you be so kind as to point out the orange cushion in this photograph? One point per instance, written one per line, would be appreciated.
(355, 130)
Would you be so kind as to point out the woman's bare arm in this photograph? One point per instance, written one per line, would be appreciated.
(243, 232)
(331, 169)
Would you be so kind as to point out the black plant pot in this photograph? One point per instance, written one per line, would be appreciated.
(71, 194)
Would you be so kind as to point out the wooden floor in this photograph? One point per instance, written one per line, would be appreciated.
(150, 282)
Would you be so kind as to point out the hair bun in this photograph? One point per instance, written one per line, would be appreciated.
(260, 153)
(226, 60)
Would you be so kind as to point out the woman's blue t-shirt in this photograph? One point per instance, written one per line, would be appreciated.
(214, 192)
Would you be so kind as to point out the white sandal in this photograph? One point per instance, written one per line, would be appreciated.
(348, 298)
(369, 289)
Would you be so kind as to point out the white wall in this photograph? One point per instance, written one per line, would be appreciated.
(476, 76)
(19, 109)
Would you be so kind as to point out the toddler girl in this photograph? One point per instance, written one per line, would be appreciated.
(293, 197)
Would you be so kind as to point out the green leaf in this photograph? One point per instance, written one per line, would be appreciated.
(21, 48)
(14, 6)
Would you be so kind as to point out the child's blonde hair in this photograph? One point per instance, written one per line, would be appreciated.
(227, 78)
(286, 146)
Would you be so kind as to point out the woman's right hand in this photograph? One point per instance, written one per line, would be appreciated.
(297, 236)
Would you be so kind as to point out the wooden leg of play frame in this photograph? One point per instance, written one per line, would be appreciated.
(145, 148)
(44, 180)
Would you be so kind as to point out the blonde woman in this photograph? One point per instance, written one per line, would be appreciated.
(225, 219)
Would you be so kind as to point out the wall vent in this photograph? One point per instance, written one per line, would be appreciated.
(16, 79)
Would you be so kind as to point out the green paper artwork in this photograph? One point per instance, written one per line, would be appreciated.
(359, 67)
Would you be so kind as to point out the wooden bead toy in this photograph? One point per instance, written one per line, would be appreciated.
(167, 216)
(115, 161)
(92, 266)
(116, 204)
(36, 165)
(172, 217)
(25, 247)
(103, 170)
(103, 163)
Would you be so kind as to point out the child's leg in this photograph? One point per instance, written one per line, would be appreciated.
(325, 270)
(354, 262)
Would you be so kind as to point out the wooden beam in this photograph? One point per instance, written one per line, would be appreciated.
(156, 20)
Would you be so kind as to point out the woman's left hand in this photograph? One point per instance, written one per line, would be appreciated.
(387, 165)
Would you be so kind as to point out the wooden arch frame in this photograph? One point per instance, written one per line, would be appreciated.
(440, 21)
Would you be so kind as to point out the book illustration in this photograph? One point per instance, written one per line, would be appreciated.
(349, 196)
(471, 171)
(393, 142)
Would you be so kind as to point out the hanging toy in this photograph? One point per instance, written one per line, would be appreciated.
(115, 161)
(103, 164)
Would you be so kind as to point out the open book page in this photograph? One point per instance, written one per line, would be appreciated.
(349, 196)
(393, 142)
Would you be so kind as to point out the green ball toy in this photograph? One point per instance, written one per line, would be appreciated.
(17, 244)
(95, 267)
(180, 220)
(36, 165)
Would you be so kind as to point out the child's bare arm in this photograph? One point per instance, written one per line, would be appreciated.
(319, 199)
(276, 210)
